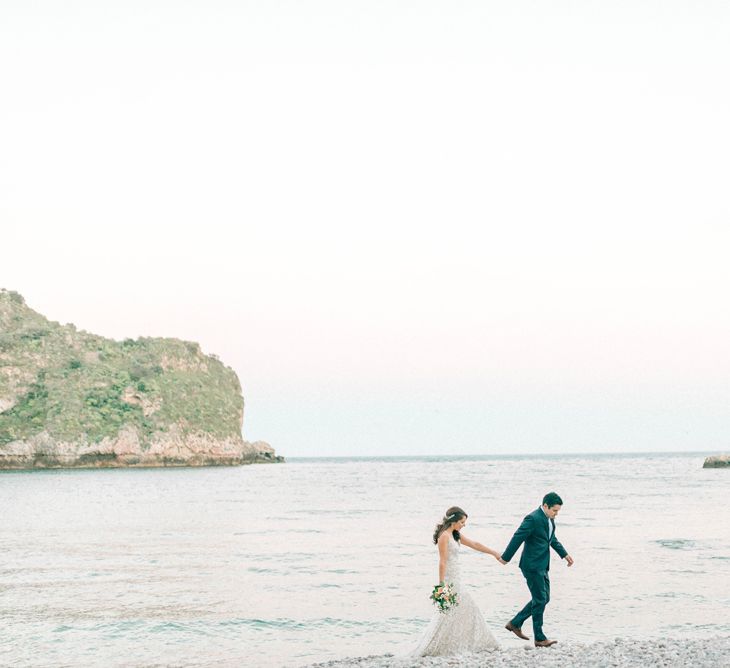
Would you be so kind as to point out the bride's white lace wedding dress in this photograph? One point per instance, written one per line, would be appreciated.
(460, 629)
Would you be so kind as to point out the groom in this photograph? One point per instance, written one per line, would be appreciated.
(537, 532)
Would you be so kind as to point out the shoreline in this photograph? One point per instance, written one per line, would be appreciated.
(713, 652)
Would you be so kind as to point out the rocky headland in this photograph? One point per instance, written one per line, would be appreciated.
(70, 399)
(717, 462)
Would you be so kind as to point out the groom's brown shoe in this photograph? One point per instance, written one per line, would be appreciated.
(545, 643)
(516, 630)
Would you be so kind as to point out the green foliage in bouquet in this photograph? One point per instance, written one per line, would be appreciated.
(444, 597)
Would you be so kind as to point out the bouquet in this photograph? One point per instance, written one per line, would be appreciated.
(444, 597)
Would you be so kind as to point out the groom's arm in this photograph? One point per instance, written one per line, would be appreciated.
(521, 534)
(558, 547)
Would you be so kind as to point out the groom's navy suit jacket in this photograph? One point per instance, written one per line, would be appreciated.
(534, 533)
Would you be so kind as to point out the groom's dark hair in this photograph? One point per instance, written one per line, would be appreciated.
(552, 499)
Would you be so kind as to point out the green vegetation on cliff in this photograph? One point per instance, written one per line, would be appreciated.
(79, 387)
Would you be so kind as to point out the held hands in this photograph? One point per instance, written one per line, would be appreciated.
(497, 556)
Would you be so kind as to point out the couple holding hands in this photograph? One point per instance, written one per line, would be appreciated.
(460, 627)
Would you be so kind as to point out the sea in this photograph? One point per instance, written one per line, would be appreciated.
(318, 559)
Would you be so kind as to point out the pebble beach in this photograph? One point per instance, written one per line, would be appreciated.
(618, 653)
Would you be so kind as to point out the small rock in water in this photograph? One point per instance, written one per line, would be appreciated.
(717, 462)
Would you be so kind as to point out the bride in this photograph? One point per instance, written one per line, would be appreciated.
(461, 628)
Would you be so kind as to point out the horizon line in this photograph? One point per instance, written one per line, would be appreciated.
(511, 454)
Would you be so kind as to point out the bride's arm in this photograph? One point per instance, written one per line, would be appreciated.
(479, 547)
(443, 554)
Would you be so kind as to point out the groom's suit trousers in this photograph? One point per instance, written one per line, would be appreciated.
(538, 583)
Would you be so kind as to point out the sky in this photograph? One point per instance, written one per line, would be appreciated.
(409, 227)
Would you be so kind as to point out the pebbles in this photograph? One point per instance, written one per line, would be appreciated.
(619, 653)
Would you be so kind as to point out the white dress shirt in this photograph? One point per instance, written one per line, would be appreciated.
(550, 524)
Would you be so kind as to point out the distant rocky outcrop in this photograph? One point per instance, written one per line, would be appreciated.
(266, 453)
(69, 398)
(717, 462)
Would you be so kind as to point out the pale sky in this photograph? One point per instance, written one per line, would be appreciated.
(410, 227)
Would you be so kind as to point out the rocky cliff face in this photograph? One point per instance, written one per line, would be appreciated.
(73, 399)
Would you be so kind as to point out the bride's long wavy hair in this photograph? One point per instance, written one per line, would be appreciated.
(452, 516)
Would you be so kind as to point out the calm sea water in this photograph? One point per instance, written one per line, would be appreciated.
(282, 565)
